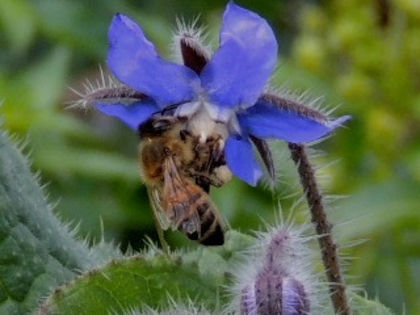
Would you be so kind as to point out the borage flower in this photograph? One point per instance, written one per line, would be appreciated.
(224, 93)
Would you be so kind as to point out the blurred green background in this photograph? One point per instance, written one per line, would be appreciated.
(361, 55)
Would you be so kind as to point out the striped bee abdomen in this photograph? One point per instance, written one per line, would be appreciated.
(210, 231)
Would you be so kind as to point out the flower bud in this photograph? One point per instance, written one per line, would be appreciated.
(277, 277)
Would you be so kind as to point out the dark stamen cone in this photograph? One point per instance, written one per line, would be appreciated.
(193, 54)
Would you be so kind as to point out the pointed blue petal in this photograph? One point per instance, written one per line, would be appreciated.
(132, 115)
(134, 61)
(247, 55)
(241, 160)
(268, 120)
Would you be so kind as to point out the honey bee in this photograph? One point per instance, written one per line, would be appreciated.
(178, 172)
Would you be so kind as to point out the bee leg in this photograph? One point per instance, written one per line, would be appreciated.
(159, 230)
(203, 182)
(161, 235)
(218, 152)
(184, 134)
(219, 176)
(216, 159)
(215, 155)
(157, 125)
(201, 178)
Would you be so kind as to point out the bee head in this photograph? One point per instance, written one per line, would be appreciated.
(157, 125)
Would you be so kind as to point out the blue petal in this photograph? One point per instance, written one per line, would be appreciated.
(133, 60)
(247, 55)
(132, 115)
(267, 120)
(241, 160)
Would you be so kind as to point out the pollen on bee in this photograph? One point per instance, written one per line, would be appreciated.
(223, 173)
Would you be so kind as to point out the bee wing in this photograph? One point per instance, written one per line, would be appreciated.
(179, 198)
(159, 213)
(190, 208)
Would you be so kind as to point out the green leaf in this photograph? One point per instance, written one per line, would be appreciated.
(134, 282)
(37, 252)
(363, 306)
(150, 279)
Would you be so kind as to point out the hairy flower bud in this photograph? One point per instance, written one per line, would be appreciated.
(247, 302)
(295, 299)
(277, 278)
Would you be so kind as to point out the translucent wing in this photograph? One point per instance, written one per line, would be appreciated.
(158, 212)
(190, 208)
(179, 198)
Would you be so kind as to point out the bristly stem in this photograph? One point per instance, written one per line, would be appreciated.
(323, 229)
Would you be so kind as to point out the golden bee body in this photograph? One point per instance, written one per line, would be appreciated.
(178, 171)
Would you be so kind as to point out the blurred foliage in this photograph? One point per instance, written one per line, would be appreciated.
(363, 55)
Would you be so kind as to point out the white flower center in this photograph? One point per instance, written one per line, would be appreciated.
(208, 120)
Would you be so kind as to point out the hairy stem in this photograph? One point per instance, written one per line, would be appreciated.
(323, 229)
